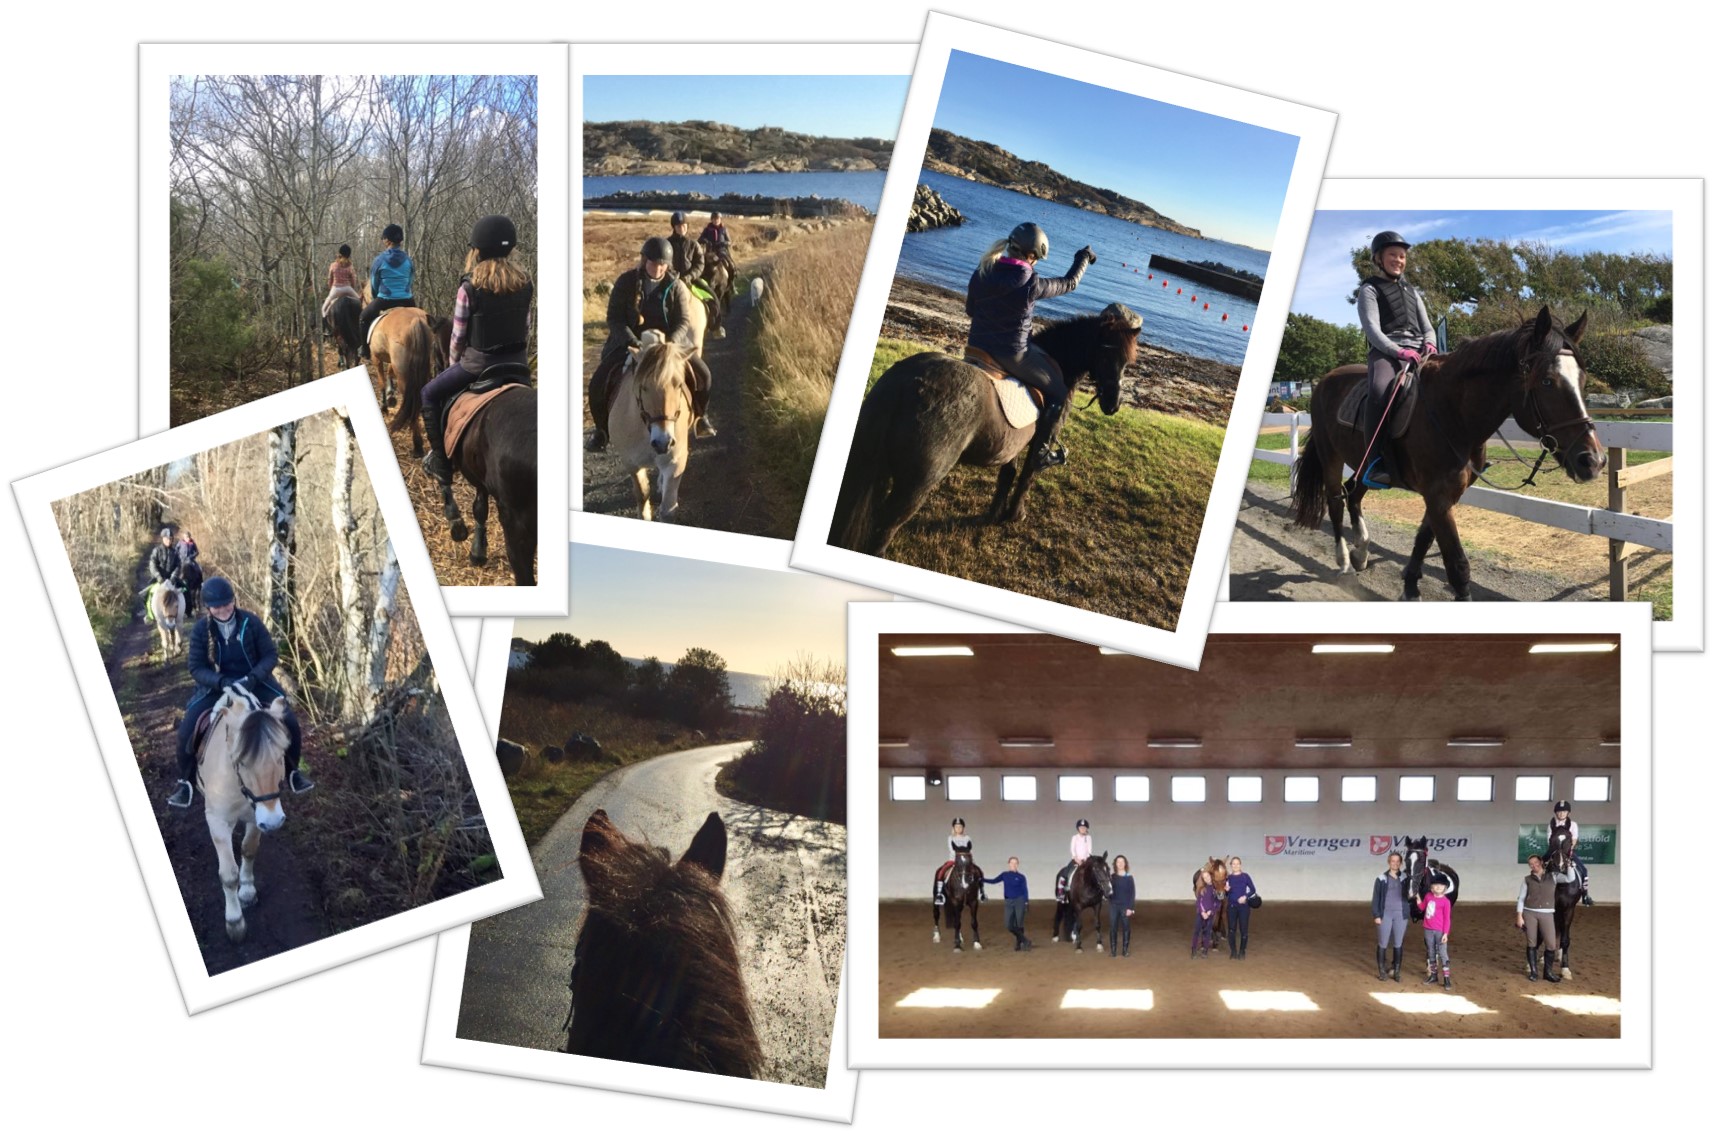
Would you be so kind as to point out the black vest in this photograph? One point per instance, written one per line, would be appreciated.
(1400, 316)
(499, 324)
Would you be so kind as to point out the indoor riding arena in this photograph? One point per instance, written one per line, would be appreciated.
(1311, 757)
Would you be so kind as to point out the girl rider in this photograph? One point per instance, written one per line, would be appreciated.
(1395, 321)
(490, 327)
(341, 280)
(1562, 819)
(1001, 300)
(1082, 847)
(956, 844)
(392, 281)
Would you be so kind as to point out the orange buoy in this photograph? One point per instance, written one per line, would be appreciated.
(1151, 275)
(1204, 307)
(1192, 299)
(1246, 326)
(1181, 291)
(1223, 317)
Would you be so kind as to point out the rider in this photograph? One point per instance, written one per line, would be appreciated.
(649, 297)
(1562, 819)
(717, 241)
(164, 560)
(230, 649)
(1395, 321)
(392, 281)
(687, 254)
(341, 280)
(956, 844)
(1082, 847)
(490, 326)
(1001, 301)
(187, 546)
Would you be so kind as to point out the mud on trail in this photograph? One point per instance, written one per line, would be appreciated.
(288, 912)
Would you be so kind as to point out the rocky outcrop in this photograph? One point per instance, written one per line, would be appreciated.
(1655, 343)
(929, 210)
(733, 204)
(620, 148)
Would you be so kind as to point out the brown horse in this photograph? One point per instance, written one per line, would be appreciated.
(407, 352)
(656, 977)
(1216, 868)
(341, 321)
(1532, 373)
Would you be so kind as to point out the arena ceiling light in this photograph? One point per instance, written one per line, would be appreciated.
(1474, 742)
(1609, 742)
(1138, 1000)
(1573, 647)
(1175, 742)
(932, 998)
(1430, 1003)
(894, 742)
(1268, 1000)
(1584, 1005)
(1026, 742)
(1352, 648)
(932, 651)
(1324, 742)
(934, 777)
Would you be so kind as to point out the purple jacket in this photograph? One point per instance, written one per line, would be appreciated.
(1001, 304)
(1207, 902)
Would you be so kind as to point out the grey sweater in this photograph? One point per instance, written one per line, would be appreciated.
(1369, 318)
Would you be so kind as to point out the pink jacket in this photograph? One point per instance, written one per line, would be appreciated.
(1082, 847)
(1436, 913)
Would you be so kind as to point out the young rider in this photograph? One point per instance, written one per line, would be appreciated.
(687, 253)
(1082, 847)
(392, 281)
(1562, 819)
(717, 241)
(1437, 929)
(230, 649)
(956, 844)
(1395, 321)
(490, 326)
(341, 280)
(1001, 300)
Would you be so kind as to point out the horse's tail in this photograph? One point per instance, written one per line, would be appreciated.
(1309, 485)
(414, 358)
(866, 470)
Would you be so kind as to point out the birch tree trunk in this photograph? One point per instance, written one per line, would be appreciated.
(283, 525)
(354, 671)
(381, 627)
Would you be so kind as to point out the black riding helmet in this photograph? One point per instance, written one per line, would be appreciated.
(217, 592)
(494, 235)
(679, 217)
(1562, 806)
(345, 251)
(657, 248)
(1029, 238)
(393, 233)
(1384, 241)
(1082, 823)
(956, 822)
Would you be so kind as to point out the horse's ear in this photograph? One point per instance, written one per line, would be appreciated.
(600, 837)
(708, 849)
(1543, 324)
(1575, 331)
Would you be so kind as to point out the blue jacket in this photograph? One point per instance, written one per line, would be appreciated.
(1124, 892)
(250, 653)
(1001, 303)
(1017, 887)
(1239, 888)
(392, 275)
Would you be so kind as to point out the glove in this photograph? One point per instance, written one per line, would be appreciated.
(1086, 254)
(1409, 356)
(1429, 349)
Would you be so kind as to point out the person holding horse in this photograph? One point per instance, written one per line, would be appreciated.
(1562, 819)
(1207, 905)
(1387, 904)
(1240, 891)
(230, 649)
(1017, 900)
(956, 844)
(1437, 929)
(1535, 915)
(1000, 300)
(392, 281)
(1120, 907)
(1395, 322)
(341, 280)
(650, 297)
(490, 327)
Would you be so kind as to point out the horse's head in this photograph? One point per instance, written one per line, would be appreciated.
(255, 741)
(1549, 402)
(1415, 870)
(660, 372)
(1100, 874)
(1116, 349)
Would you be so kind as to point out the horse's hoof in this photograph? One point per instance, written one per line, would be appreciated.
(247, 896)
(1056, 937)
(976, 945)
(1411, 599)
(460, 533)
(937, 937)
(1465, 598)
(391, 402)
(958, 949)
(1098, 948)
(476, 560)
(235, 930)
(1347, 570)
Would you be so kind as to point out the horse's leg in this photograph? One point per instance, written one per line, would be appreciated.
(1336, 513)
(247, 871)
(1418, 552)
(221, 832)
(956, 913)
(937, 924)
(1002, 485)
(640, 482)
(455, 519)
(1360, 553)
(479, 513)
(913, 481)
(519, 528)
(975, 930)
(1452, 555)
(1077, 926)
(670, 478)
(1098, 943)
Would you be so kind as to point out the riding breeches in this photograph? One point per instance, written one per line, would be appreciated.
(1438, 951)
(1384, 372)
(1391, 931)
(334, 293)
(1539, 929)
(1238, 926)
(1036, 369)
(373, 312)
(205, 699)
(1118, 929)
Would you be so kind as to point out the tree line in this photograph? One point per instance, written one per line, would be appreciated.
(695, 692)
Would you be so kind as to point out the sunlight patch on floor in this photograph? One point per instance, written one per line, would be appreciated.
(1584, 1005)
(943, 998)
(1140, 999)
(1430, 1003)
(1275, 1000)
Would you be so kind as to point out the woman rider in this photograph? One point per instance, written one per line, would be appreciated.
(490, 327)
(649, 297)
(1001, 300)
(956, 844)
(392, 283)
(1562, 819)
(341, 280)
(1395, 321)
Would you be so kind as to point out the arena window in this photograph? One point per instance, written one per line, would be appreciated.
(1076, 788)
(1189, 789)
(1302, 789)
(1243, 789)
(1021, 788)
(1416, 789)
(1131, 789)
(909, 788)
(1357, 789)
(1593, 788)
(964, 788)
(1475, 789)
(1533, 788)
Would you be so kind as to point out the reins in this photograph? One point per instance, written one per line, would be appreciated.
(1550, 445)
(642, 411)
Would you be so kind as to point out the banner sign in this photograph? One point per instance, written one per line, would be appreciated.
(1596, 843)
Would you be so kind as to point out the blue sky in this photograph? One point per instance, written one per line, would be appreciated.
(832, 106)
(1326, 279)
(1223, 177)
(757, 620)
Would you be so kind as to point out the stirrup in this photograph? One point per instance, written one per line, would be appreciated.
(182, 796)
(438, 466)
(1376, 478)
(299, 782)
(1048, 456)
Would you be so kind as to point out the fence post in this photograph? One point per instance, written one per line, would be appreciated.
(1618, 573)
(1294, 439)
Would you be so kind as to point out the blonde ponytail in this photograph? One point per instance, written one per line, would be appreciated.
(995, 251)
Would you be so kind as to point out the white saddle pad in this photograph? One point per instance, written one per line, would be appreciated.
(1016, 402)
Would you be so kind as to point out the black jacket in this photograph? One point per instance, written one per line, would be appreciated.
(1378, 900)
(250, 653)
(163, 561)
(687, 257)
(667, 310)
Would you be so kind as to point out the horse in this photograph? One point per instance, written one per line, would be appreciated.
(342, 322)
(407, 353)
(1566, 896)
(649, 421)
(241, 768)
(718, 277)
(1216, 868)
(963, 885)
(1531, 373)
(932, 411)
(191, 576)
(167, 608)
(1089, 886)
(656, 977)
(1418, 870)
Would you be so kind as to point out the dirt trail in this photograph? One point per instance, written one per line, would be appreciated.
(152, 695)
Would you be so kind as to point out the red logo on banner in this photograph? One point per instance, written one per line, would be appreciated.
(1380, 844)
(1273, 844)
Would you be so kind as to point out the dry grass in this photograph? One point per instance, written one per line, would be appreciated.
(795, 345)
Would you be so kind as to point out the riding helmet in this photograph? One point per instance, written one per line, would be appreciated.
(678, 217)
(393, 233)
(957, 820)
(1029, 237)
(657, 248)
(1441, 878)
(345, 251)
(494, 235)
(1562, 806)
(1383, 241)
(166, 533)
(1082, 823)
(217, 592)
(1253, 901)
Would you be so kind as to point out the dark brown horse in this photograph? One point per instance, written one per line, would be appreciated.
(342, 322)
(932, 411)
(1532, 373)
(656, 978)
(1558, 861)
(1091, 885)
(963, 885)
(407, 353)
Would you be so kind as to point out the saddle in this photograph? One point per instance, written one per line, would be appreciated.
(1350, 412)
(496, 381)
(1021, 404)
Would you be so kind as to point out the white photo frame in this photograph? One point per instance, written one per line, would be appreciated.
(1683, 198)
(443, 1046)
(158, 62)
(696, 59)
(349, 391)
(1632, 1050)
(944, 34)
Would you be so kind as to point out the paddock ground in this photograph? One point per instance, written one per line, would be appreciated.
(1323, 951)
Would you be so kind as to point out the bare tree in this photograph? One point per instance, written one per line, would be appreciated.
(283, 523)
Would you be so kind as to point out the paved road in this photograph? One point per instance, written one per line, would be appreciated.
(785, 883)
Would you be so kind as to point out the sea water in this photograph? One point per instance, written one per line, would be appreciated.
(860, 187)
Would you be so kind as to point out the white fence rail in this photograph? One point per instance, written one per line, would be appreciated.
(1625, 533)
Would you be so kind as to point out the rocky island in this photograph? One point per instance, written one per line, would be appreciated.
(612, 149)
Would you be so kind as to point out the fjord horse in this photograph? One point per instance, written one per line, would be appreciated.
(241, 768)
(406, 352)
(1090, 885)
(963, 885)
(933, 411)
(167, 608)
(1565, 895)
(1531, 373)
(656, 977)
(649, 421)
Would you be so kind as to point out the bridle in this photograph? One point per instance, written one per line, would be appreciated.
(238, 769)
(665, 421)
(1545, 433)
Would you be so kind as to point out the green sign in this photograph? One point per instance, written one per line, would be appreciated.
(1596, 843)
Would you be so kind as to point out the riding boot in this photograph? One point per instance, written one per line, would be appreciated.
(1547, 967)
(699, 407)
(1446, 977)
(1378, 475)
(1045, 444)
(939, 893)
(435, 461)
(1530, 954)
(1380, 963)
(1433, 973)
(1398, 961)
